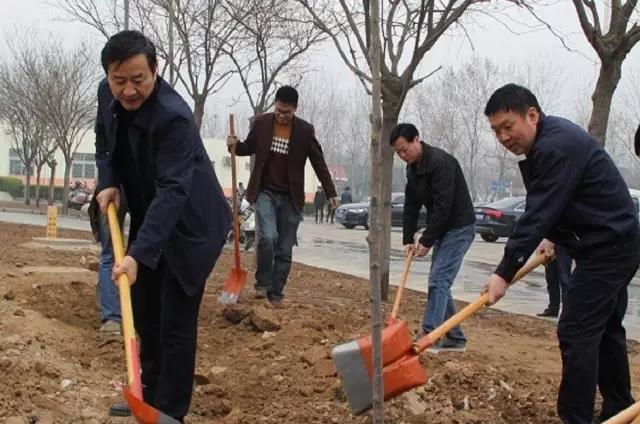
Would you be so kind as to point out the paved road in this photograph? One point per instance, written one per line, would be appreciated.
(336, 248)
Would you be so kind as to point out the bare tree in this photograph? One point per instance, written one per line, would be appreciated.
(62, 83)
(408, 30)
(25, 131)
(272, 39)
(203, 29)
(44, 156)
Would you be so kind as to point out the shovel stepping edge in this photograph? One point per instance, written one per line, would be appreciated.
(354, 375)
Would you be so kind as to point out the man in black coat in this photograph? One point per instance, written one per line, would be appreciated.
(148, 144)
(435, 181)
(577, 199)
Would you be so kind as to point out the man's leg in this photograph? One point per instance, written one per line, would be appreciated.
(552, 275)
(267, 238)
(563, 265)
(593, 306)
(446, 259)
(316, 214)
(179, 338)
(288, 222)
(145, 299)
(107, 290)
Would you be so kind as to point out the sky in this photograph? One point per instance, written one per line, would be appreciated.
(490, 38)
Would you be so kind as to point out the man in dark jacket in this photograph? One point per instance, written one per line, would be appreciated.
(282, 142)
(577, 199)
(148, 144)
(435, 181)
(319, 200)
(345, 196)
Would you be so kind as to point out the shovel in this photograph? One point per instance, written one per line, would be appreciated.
(143, 413)
(238, 276)
(406, 372)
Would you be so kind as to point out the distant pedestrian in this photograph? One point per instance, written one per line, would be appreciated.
(319, 201)
(345, 196)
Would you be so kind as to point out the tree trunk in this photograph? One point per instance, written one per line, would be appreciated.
(198, 110)
(376, 225)
(65, 191)
(608, 79)
(52, 180)
(38, 174)
(27, 186)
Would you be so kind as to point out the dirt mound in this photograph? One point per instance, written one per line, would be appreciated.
(257, 364)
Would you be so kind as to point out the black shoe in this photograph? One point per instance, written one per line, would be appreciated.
(119, 410)
(551, 313)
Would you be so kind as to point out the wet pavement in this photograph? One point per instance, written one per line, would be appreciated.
(332, 247)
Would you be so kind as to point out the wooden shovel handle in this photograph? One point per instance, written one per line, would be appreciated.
(626, 416)
(435, 335)
(126, 311)
(234, 199)
(403, 283)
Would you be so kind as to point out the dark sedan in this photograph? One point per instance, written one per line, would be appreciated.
(498, 219)
(353, 214)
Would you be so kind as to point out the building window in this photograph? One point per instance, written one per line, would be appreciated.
(16, 167)
(84, 166)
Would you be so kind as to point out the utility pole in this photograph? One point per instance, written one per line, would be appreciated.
(126, 14)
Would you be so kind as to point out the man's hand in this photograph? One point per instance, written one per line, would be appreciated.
(107, 195)
(421, 250)
(408, 248)
(546, 248)
(232, 140)
(334, 202)
(496, 286)
(128, 266)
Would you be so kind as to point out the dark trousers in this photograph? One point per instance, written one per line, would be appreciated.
(557, 273)
(320, 209)
(166, 320)
(592, 339)
(331, 212)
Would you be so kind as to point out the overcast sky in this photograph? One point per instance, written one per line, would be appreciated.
(490, 39)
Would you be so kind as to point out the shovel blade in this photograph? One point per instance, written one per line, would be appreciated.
(145, 413)
(233, 286)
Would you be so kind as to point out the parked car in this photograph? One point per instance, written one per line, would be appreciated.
(351, 215)
(498, 219)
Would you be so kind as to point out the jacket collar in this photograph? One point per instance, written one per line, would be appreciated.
(420, 168)
(539, 131)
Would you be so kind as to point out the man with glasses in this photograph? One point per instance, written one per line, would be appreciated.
(281, 143)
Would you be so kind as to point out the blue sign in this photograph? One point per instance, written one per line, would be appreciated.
(496, 185)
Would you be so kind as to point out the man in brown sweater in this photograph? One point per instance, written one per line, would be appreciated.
(282, 142)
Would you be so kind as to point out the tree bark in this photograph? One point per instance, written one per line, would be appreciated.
(65, 191)
(52, 180)
(38, 174)
(608, 79)
(376, 238)
(198, 110)
(27, 186)
(388, 123)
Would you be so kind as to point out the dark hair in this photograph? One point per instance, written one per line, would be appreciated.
(126, 44)
(408, 131)
(636, 143)
(287, 94)
(511, 97)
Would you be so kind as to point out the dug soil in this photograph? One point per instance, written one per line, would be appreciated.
(255, 364)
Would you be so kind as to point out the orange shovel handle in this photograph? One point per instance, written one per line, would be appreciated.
(130, 343)
(435, 335)
(402, 285)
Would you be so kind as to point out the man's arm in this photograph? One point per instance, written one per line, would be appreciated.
(443, 186)
(554, 181)
(104, 161)
(320, 166)
(410, 214)
(174, 164)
